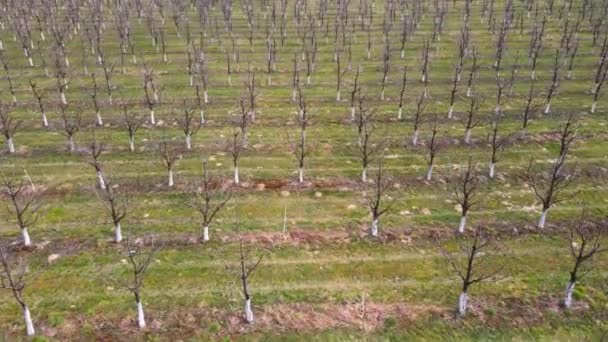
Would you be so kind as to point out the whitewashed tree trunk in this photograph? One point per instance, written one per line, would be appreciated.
(382, 95)
(352, 113)
(27, 317)
(293, 95)
(308, 79)
(11, 145)
(188, 142)
(415, 137)
(402, 53)
(338, 96)
(547, 108)
(462, 303)
(206, 233)
(492, 166)
(171, 178)
(71, 145)
(206, 96)
(99, 120)
(374, 230)
(568, 294)
(63, 99)
(469, 92)
(450, 112)
(400, 114)
(533, 74)
(101, 181)
(364, 175)
(248, 312)
(593, 106)
(429, 173)
(141, 319)
(152, 119)
(131, 144)
(191, 80)
(236, 175)
(30, 61)
(202, 116)
(467, 136)
(301, 175)
(463, 223)
(543, 218)
(117, 233)
(26, 237)
(45, 121)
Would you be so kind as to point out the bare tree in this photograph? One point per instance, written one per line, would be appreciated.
(471, 120)
(133, 121)
(24, 204)
(554, 81)
(470, 262)
(298, 145)
(116, 206)
(585, 241)
(432, 146)
(353, 93)
(92, 155)
(208, 198)
(8, 127)
(188, 124)
(401, 93)
(549, 185)
(235, 148)
(465, 189)
(530, 111)
(40, 95)
(169, 156)
(9, 78)
(420, 107)
(71, 123)
(247, 264)
(376, 196)
(98, 120)
(15, 278)
(139, 257)
(497, 141)
(150, 87)
(368, 148)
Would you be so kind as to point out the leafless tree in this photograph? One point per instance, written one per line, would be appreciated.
(235, 148)
(377, 198)
(585, 242)
(15, 276)
(497, 141)
(471, 121)
(71, 123)
(298, 145)
(549, 185)
(385, 68)
(555, 80)
(420, 107)
(139, 259)
(246, 264)
(92, 155)
(168, 155)
(368, 147)
(531, 109)
(150, 87)
(200, 103)
(9, 78)
(208, 198)
(432, 146)
(24, 204)
(133, 121)
(601, 73)
(465, 189)
(401, 93)
(188, 124)
(115, 204)
(472, 262)
(353, 93)
(8, 127)
(98, 119)
(473, 72)
(40, 95)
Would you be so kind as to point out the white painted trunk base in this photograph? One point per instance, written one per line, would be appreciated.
(45, 122)
(301, 175)
(374, 230)
(101, 181)
(206, 233)
(543, 218)
(188, 142)
(352, 113)
(400, 114)
(568, 294)
(26, 237)
(492, 166)
(131, 144)
(429, 173)
(71, 145)
(415, 137)
(462, 303)
(467, 136)
(593, 106)
(141, 319)
(117, 233)
(248, 312)
(99, 120)
(11, 145)
(450, 112)
(364, 175)
(236, 175)
(152, 119)
(171, 183)
(463, 223)
(29, 326)
(547, 108)
(202, 117)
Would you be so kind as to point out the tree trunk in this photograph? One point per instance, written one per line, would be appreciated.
(400, 114)
(152, 119)
(593, 106)
(236, 175)
(26, 237)
(568, 294)
(293, 95)
(202, 117)
(117, 233)
(352, 113)
(301, 175)
(547, 108)
(463, 223)
(141, 319)
(11, 145)
(206, 96)
(29, 326)
(63, 99)
(171, 177)
(469, 92)
(101, 181)
(188, 142)
(338, 96)
(364, 175)
(462, 303)
(450, 111)
(248, 312)
(45, 122)
(131, 144)
(71, 145)
(467, 136)
(543, 217)
(205, 233)
(374, 230)
(99, 120)
(429, 173)
(492, 165)
(415, 137)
